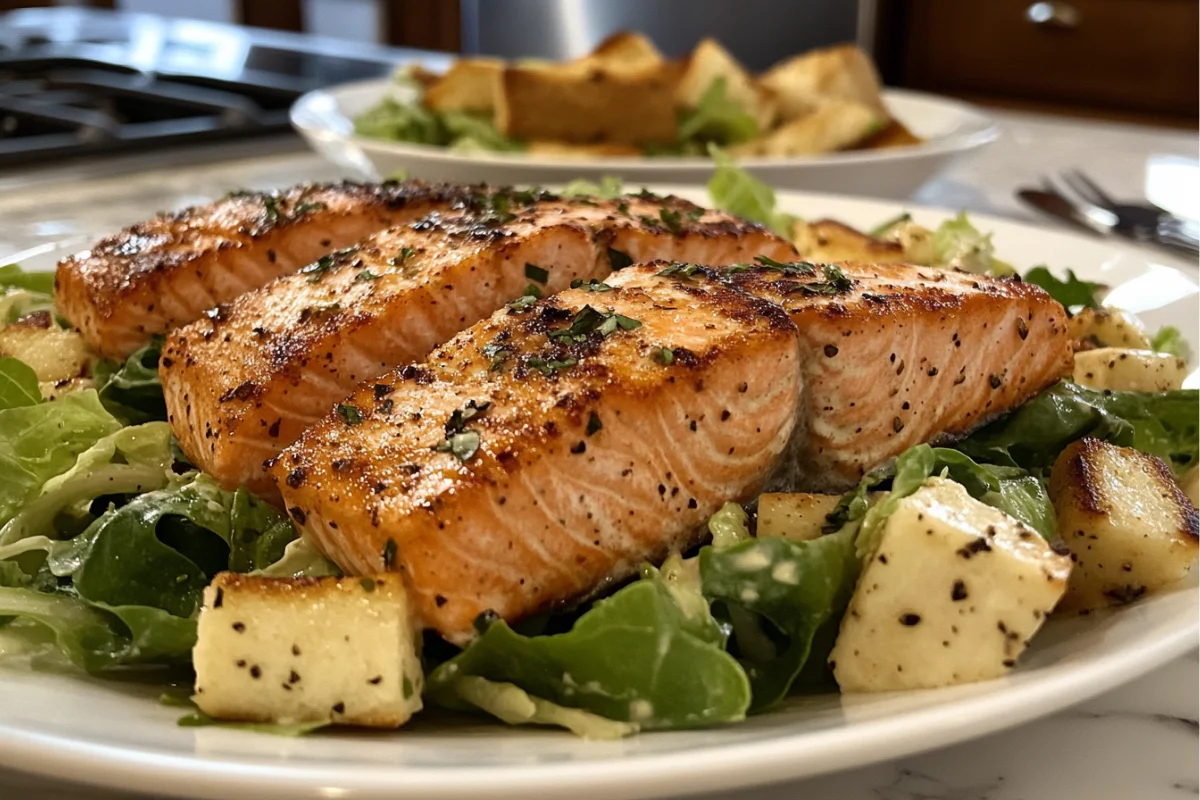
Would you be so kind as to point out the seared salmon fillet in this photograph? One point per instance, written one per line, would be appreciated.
(165, 272)
(517, 467)
(550, 450)
(897, 355)
(245, 381)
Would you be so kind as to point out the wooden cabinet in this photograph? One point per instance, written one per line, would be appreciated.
(1133, 56)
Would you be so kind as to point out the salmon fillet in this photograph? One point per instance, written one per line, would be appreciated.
(549, 451)
(245, 381)
(897, 355)
(165, 272)
(567, 468)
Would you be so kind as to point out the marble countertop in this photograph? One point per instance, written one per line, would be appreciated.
(1139, 742)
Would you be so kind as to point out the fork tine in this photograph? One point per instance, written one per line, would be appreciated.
(1086, 184)
(1099, 214)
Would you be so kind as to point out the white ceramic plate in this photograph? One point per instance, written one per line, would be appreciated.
(114, 733)
(951, 129)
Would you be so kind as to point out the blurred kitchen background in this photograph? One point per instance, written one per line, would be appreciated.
(1134, 60)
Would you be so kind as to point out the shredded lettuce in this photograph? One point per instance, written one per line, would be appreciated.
(132, 391)
(1163, 424)
(636, 657)
(797, 588)
(734, 190)
(1072, 293)
(1170, 340)
(401, 121)
(717, 119)
(957, 244)
(608, 186)
(18, 384)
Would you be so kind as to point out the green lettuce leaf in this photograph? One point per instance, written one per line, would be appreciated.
(957, 244)
(163, 547)
(472, 131)
(132, 460)
(637, 656)
(1160, 423)
(13, 277)
(132, 391)
(800, 588)
(401, 122)
(300, 559)
(729, 525)
(738, 192)
(1170, 340)
(515, 706)
(18, 384)
(40, 441)
(717, 119)
(1071, 293)
(609, 187)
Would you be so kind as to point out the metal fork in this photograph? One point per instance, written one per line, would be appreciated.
(1142, 222)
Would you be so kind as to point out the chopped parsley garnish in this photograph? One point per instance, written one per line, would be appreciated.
(461, 442)
(695, 214)
(461, 445)
(623, 208)
(594, 424)
(523, 302)
(788, 268)
(588, 321)
(648, 221)
(663, 355)
(672, 219)
(498, 353)
(352, 414)
(534, 291)
(366, 275)
(301, 209)
(271, 203)
(682, 270)
(536, 273)
(550, 367)
(389, 553)
(591, 286)
(836, 282)
(316, 270)
(405, 254)
(617, 259)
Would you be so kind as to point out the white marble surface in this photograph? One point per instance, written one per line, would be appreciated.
(1136, 743)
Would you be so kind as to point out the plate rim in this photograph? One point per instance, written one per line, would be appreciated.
(709, 767)
(981, 129)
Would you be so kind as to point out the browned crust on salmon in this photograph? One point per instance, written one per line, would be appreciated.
(357, 481)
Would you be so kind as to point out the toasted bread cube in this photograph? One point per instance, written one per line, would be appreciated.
(1129, 370)
(806, 82)
(338, 650)
(589, 104)
(893, 134)
(952, 594)
(54, 353)
(836, 125)
(1109, 327)
(830, 240)
(795, 516)
(709, 62)
(1130, 528)
(580, 152)
(625, 50)
(471, 84)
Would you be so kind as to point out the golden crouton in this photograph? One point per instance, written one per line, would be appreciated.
(624, 50)
(808, 81)
(709, 62)
(893, 134)
(836, 125)
(1130, 528)
(585, 105)
(54, 353)
(798, 517)
(470, 84)
(337, 650)
(829, 240)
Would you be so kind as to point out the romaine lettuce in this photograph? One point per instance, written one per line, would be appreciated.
(717, 119)
(738, 192)
(1170, 340)
(637, 656)
(797, 587)
(1162, 424)
(957, 244)
(132, 391)
(1071, 293)
(18, 384)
